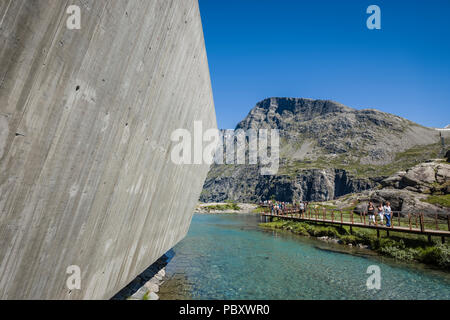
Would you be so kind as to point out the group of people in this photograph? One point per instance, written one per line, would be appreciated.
(382, 211)
(279, 207)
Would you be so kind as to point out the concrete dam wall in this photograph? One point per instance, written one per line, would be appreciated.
(86, 115)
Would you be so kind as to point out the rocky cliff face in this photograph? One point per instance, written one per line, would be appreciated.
(326, 150)
(245, 184)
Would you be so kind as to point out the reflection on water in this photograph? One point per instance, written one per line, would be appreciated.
(230, 257)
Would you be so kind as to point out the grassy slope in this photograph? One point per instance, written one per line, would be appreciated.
(442, 200)
(403, 160)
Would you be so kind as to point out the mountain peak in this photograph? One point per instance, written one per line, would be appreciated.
(273, 110)
(302, 105)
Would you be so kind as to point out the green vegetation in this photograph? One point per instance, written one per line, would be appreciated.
(223, 207)
(442, 200)
(146, 296)
(329, 206)
(260, 209)
(352, 162)
(323, 205)
(405, 247)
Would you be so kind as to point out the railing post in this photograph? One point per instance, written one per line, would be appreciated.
(437, 225)
(342, 218)
(422, 228)
(409, 219)
(351, 215)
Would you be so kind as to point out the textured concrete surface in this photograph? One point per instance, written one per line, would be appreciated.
(85, 123)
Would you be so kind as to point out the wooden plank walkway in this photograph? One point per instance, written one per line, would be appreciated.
(337, 218)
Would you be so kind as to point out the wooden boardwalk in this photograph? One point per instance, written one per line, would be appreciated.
(429, 225)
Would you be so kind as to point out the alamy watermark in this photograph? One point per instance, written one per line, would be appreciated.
(73, 22)
(73, 282)
(374, 280)
(227, 147)
(374, 20)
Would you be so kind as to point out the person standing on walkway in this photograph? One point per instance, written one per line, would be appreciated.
(380, 213)
(371, 212)
(388, 213)
(302, 209)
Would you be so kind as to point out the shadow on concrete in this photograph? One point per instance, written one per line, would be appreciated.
(145, 276)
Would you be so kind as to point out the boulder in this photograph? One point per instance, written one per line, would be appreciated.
(151, 286)
(423, 173)
(443, 173)
(429, 177)
(153, 296)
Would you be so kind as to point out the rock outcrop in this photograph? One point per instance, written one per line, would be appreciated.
(427, 178)
(407, 191)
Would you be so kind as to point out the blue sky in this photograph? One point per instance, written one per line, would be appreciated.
(323, 50)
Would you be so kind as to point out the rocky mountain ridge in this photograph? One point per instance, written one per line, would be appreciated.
(326, 150)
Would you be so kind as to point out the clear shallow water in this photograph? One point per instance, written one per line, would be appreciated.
(230, 257)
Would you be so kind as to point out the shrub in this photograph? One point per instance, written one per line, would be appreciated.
(408, 254)
(300, 230)
(347, 239)
(325, 231)
(438, 255)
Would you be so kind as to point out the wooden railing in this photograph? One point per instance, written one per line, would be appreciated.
(427, 223)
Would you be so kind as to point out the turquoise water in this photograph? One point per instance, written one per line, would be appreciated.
(230, 257)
